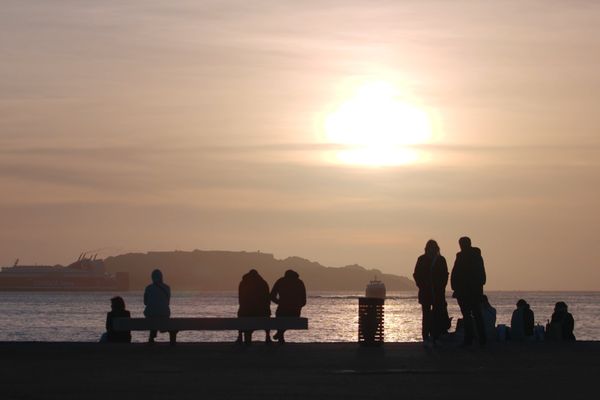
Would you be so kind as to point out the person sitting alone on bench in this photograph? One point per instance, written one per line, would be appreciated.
(289, 293)
(117, 305)
(157, 297)
(253, 297)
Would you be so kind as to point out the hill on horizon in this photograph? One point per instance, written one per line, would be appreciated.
(223, 270)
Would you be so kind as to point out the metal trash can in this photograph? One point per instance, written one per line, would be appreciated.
(370, 321)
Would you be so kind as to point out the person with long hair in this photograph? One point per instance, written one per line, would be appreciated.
(431, 277)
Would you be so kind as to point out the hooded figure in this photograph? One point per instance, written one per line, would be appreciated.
(156, 299)
(289, 294)
(562, 325)
(521, 323)
(253, 297)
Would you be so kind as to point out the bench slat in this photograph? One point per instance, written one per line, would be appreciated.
(209, 324)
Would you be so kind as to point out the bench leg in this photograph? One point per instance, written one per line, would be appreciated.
(173, 337)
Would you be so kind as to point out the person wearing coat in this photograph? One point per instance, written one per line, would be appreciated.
(157, 297)
(289, 293)
(521, 322)
(431, 277)
(467, 280)
(562, 324)
(117, 305)
(254, 300)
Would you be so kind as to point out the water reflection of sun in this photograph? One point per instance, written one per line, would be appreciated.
(376, 127)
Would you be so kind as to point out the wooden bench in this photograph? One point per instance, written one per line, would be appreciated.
(174, 325)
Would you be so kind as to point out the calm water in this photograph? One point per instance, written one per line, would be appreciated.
(332, 317)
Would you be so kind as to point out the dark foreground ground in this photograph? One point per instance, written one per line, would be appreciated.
(298, 371)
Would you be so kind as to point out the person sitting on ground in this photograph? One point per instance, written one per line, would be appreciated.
(117, 305)
(562, 325)
(289, 294)
(157, 297)
(253, 297)
(522, 321)
(489, 317)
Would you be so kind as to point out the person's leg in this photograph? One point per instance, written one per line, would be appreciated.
(172, 337)
(478, 316)
(268, 337)
(280, 337)
(152, 336)
(248, 337)
(426, 321)
(239, 338)
(465, 309)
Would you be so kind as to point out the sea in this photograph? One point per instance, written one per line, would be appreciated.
(333, 316)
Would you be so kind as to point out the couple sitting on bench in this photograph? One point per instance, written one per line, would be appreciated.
(254, 312)
(255, 300)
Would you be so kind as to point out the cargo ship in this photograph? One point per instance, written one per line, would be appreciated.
(85, 274)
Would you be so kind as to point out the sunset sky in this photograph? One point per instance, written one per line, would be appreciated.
(340, 131)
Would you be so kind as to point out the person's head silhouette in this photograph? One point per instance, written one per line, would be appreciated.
(117, 303)
(464, 243)
(431, 248)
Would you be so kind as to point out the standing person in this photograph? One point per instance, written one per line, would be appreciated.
(117, 306)
(289, 294)
(431, 277)
(157, 297)
(467, 280)
(521, 322)
(254, 300)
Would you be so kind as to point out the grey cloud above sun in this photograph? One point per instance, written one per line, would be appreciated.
(201, 125)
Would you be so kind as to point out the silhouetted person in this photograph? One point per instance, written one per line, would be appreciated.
(489, 317)
(289, 294)
(117, 306)
(157, 297)
(522, 321)
(431, 277)
(467, 280)
(562, 325)
(254, 300)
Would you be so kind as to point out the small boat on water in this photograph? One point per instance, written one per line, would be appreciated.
(85, 274)
(375, 289)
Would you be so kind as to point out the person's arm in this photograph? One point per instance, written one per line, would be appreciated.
(483, 277)
(275, 293)
(108, 322)
(303, 293)
(146, 297)
(444, 267)
(416, 274)
(454, 276)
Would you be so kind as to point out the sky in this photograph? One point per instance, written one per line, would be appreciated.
(161, 125)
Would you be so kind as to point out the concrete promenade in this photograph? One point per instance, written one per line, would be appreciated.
(298, 371)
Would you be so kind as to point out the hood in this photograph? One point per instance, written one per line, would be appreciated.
(291, 274)
(157, 276)
(252, 274)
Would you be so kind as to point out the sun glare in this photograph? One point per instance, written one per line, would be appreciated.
(376, 127)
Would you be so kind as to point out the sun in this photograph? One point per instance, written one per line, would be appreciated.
(376, 126)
